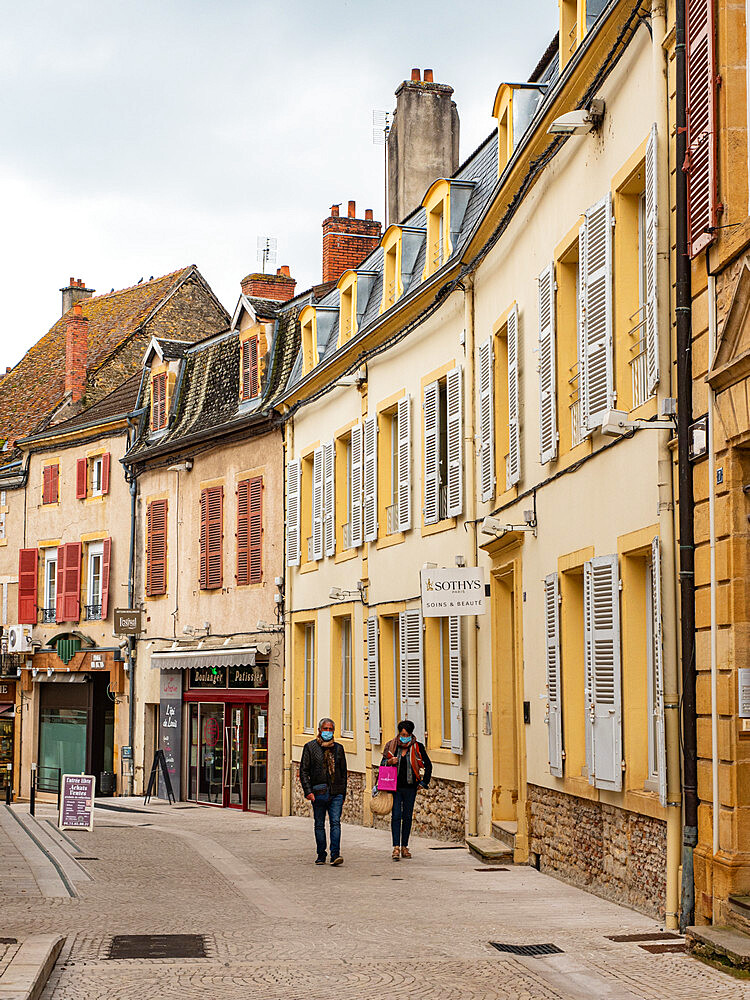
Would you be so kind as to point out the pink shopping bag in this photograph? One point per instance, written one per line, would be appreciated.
(387, 778)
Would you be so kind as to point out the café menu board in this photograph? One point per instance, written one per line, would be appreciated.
(254, 676)
(77, 802)
(170, 726)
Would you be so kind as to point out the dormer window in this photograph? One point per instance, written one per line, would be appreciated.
(437, 209)
(515, 106)
(249, 380)
(347, 306)
(400, 248)
(576, 20)
(309, 339)
(158, 401)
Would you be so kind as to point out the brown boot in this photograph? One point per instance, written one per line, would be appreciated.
(405, 852)
(396, 854)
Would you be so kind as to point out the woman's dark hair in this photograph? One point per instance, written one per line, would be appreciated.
(406, 724)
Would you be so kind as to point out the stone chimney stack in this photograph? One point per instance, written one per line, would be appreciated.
(76, 349)
(279, 287)
(347, 240)
(422, 143)
(74, 292)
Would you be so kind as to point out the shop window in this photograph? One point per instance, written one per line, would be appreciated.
(51, 484)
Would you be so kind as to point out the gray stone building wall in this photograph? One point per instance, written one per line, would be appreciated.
(611, 852)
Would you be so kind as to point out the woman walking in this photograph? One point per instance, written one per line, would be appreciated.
(414, 771)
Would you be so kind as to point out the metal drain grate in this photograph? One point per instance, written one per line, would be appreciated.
(79, 857)
(448, 847)
(527, 949)
(489, 868)
(663, 949)
(8, 940)
(653, 936)
(157, 946)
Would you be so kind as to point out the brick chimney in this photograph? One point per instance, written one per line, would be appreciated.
(74, 292)
(76, 348)
(279, 287)
(422, 142)
(347, 240)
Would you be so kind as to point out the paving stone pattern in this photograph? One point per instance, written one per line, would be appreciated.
(279, 927)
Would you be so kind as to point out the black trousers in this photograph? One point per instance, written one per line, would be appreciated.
(403, 810)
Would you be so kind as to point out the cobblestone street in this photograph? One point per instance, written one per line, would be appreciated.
(277, 926)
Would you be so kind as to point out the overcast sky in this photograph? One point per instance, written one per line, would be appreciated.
(140, 137)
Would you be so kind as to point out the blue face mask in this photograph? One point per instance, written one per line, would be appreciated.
(326, 734)
(405, 739)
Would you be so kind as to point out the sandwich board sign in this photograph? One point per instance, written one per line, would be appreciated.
(77, 802)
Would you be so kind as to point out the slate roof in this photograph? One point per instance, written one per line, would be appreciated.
(173, 349)
(118, 403)
(35, 387)
(265, 308)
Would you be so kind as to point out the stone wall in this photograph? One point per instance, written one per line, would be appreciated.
(613, 853)
(439, 812)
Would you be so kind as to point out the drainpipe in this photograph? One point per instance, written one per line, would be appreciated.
(683, 310)
(131, 638)
(471, 522)
(286, 789)
(666, 474)
(712, 557)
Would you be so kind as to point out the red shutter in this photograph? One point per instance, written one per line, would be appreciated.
(60, 586)
(212, 503)
(700, 161)
(159, 401)
(245, 369)
(106, 560)
(105, 472)
(81, 477)
(256, 530)
(72, 606)
(156, 548)
(253, 367)
(27, 581)
(54, 486)
(243, 575)
(45, 484)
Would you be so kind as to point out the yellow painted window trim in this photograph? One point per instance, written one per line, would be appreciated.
(308, 320)
(309, 567)
(442, 755)
(298, 621)
(345, 610)
(345, 556)
(574, 560)
(502, 111)
(206, 484)
(392, 241)
(388, 540)
(95, 536)
(434, 529)
(637, 541)
(438, 196)
(347, 286)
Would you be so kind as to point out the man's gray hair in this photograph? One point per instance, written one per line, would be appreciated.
(323, 722)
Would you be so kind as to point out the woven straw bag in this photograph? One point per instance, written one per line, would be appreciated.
(382, 803)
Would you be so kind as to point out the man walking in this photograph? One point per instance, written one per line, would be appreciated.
(322, 773)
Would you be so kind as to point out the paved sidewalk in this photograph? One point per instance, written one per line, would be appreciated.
(277, 926)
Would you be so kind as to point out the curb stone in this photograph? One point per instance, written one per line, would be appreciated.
(30, 968)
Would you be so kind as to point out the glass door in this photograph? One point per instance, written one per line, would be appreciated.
(235, 755)
(211, 769)
(258, 757)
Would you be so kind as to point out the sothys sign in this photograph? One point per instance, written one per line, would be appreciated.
(448, 592)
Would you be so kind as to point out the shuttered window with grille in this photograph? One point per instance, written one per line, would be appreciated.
(156, 548)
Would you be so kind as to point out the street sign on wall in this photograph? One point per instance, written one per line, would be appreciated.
(457, 591)
(128, 622)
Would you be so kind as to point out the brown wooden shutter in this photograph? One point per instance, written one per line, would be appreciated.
(45, 483)
(245, 369)
(106, 560)
(212, 504)
(71, 603)
(253, 342)
(256, 529)
(700, 161)
(105, 471)
(81, 478)
(159, 401)
(60, 586)
(28, 560)
(156, 548)
(54, 486)
(243, 571)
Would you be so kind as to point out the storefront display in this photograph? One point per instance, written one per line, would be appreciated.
(7, 723)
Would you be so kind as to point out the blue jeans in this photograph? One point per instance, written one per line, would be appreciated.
(333, 808)
(403, 810)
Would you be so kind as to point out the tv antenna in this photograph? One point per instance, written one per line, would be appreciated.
(381, 128)
(266, 251)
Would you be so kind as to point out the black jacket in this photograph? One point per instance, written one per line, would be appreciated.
(402, 770)
(313, 771)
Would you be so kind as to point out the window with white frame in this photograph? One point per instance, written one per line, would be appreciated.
(309, 678)
(97, 480)
(445, 684)
(347, 677)
(49, 611)
(95, 581)
(443, 447)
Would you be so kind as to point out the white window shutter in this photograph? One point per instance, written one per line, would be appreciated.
(652, 264)
(403, 417)
(456, 684)
(317, 504)
(293, 477)
(660, 750)
(402, 663)
(486, 420)
(547, 385)
(596, 380)
(412, 673)
(583, 431)
(588, 651)
(554, 693)
(431, 454)
(513, 471)
(604, 611)
(356, 513)
(329, 497)
(370, 465)
(455, 449)
(373, 678)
